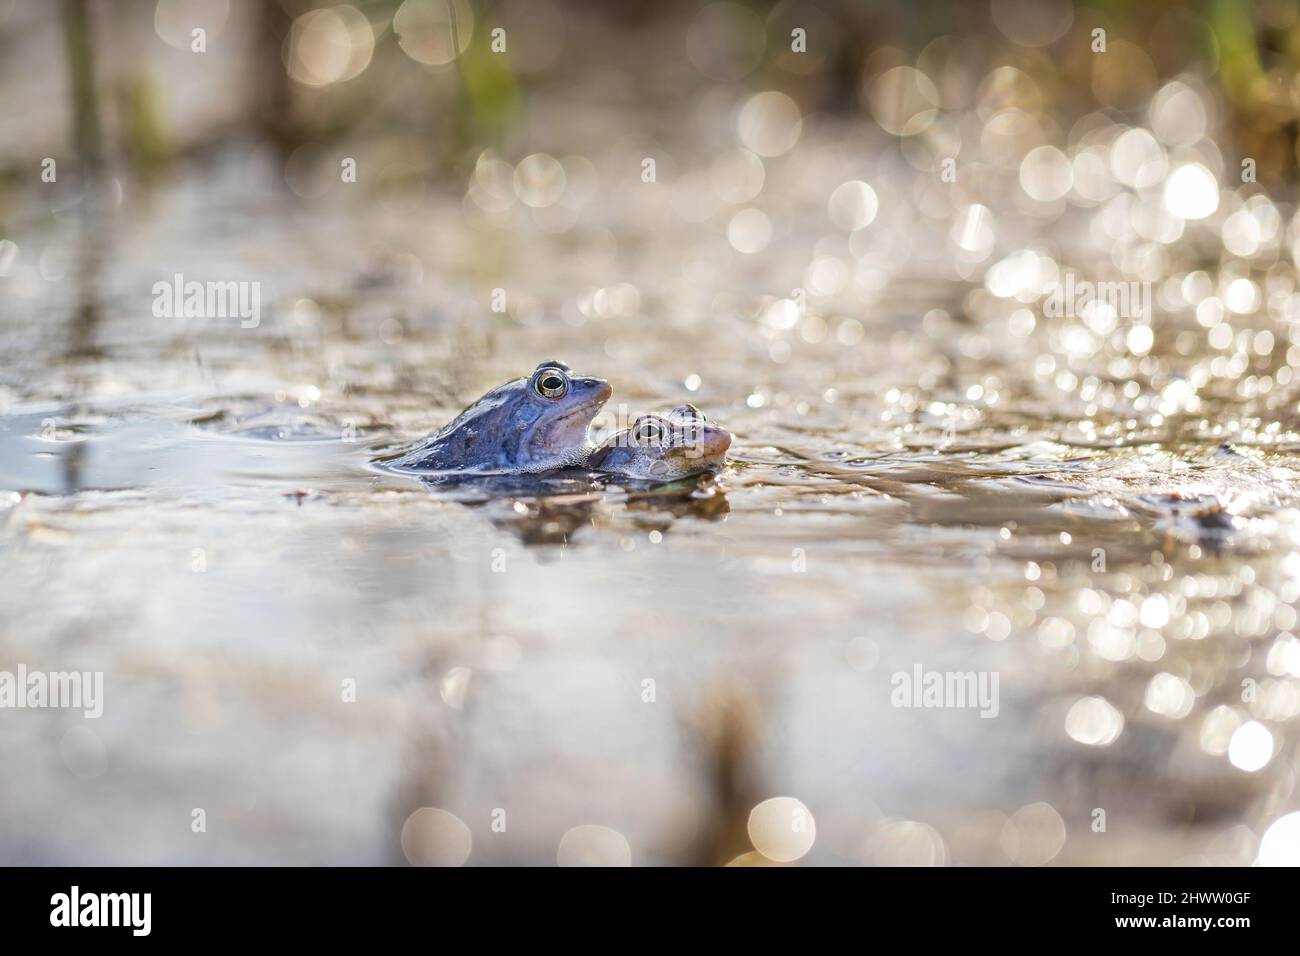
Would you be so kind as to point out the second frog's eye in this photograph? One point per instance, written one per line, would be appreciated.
(648, 432)
(551, 383)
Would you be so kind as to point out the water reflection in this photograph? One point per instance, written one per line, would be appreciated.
(550, 510)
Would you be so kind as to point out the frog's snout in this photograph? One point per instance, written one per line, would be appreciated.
(704, 441)
(716, 441)
(594, 390)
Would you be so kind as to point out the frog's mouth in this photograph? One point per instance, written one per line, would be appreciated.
(586, 410)
(571, 426)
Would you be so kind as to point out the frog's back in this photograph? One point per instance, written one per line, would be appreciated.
(613, 455)
(479, 439)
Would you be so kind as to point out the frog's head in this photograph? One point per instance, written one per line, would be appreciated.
(534, 423)
(667, 448)
(553, 411)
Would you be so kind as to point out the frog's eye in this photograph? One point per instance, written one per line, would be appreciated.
(648, 432)
(551, 383)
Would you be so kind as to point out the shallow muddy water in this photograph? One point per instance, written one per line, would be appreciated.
(191, 509)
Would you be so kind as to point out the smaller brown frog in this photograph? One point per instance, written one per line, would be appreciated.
(658, 448)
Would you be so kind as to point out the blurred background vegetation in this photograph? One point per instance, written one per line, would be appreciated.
(134, 86)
